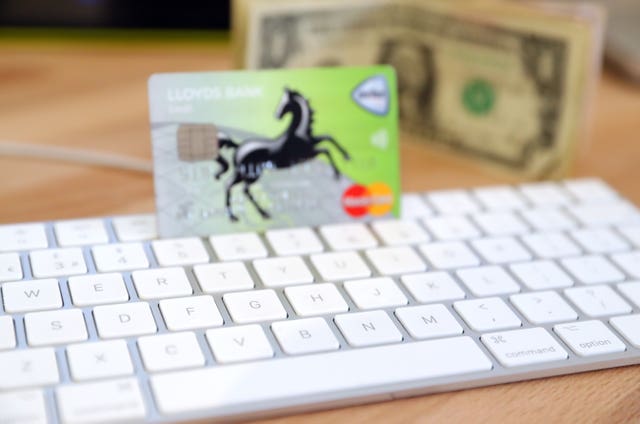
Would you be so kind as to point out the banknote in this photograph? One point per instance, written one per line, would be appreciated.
(493, 80)
(255, 150)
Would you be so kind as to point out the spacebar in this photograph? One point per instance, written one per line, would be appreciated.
(316, 377)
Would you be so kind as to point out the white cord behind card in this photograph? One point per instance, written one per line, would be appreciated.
(79, 156)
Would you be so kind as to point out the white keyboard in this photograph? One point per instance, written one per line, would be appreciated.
(101, 321)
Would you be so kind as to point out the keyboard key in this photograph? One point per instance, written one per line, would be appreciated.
(7, 333)
(160, 283)
(543, 307)
(488, 281)
(170, 351)
(428, 321)
(119, 257)
(97, 289)
(412, 206)
(278, 272)
(20, 237)
(348, 236)
(597, 301)
(55, 327)
(10, 268)
(28, 368)
(499, 198)
(524, 347)
(545, 194)
(237, 247)
(541, 275)
(629, 262)
(452, 202)
(486, 314)
(189, 313)
(223, 277)
(374, 293)
(135, 227)
(629, 327)
(359, 369)
(547, 219)
(592, 270)
(450, 228)
(309, 335)
(395, 260)
(589, 338)
(500, 250)
(339, 266)
(606, 214)
(294, 241)
(500, 223)
(33, 295)
(254, 306)
(89, 361)
(631, 291)
(449, 255)
(101, 402)
(124, 320)
(399, 232)
(599, 240)
(367, 328)
(429, 287)
(80, 232)
(184, 251)
(57, 262)
(239, 343)
(631, 233)
(590, 190)
(316, 299)
(23, 407)
(551, 245)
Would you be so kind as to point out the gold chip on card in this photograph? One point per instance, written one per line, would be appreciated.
(197, 142)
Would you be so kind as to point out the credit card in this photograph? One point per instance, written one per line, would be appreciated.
(253, 150)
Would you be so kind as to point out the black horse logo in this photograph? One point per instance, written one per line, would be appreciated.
(297, 144)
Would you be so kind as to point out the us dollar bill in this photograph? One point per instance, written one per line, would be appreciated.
(497, 81)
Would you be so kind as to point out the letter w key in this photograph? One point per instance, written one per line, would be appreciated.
(34, 295)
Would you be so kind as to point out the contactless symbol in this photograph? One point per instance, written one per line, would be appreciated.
(478, 97)
(297, 144)
(375, 199)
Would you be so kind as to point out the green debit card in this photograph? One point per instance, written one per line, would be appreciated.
(248, 151)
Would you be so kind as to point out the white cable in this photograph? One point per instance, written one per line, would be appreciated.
(82, 156)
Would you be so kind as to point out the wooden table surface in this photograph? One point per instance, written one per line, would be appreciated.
(93, 95)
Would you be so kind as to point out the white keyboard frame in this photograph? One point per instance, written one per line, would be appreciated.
(499, 374)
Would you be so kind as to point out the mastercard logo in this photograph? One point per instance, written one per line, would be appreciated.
(375, 199)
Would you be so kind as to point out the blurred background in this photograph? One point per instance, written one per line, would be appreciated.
(623, 32)
(73, 74)
(193, 14)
